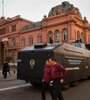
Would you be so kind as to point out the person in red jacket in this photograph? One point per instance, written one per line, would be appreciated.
(46, 80)
(58, 74)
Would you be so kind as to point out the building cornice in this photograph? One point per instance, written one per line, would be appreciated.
(4, 21)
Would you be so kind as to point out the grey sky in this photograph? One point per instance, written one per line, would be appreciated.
(34, 10)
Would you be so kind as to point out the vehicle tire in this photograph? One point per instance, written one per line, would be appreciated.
(65, 86)
(27, 81)
(74, 83)
(35, 84)
(89, 77)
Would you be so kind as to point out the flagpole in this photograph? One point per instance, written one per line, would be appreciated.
(3, 8)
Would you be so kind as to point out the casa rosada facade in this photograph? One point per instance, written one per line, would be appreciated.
(64, 23)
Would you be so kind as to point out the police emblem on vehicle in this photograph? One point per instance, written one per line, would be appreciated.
(32, 63)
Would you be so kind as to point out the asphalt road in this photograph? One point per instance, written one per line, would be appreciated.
(79, 92)
(19, 90)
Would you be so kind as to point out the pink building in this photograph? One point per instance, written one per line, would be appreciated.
(64, 23)
(10, 29)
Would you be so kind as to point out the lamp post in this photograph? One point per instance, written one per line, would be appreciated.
(3, 8)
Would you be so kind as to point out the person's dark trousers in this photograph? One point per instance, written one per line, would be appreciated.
(45, 87)
(5, 74)
(57, 92)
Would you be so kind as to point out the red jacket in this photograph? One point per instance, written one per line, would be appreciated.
(58, 71)
(46, 74)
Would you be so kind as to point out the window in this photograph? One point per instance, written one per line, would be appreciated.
(50, 37)
(78, 35)
(13, 28)
(13, 42)
(23, 42)
(82, 37)
(30, 41)
(39, 39)
(2, 31)
(7, 29)
(57, 36)
(65, 34)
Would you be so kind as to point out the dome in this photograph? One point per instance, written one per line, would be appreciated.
(65, 7)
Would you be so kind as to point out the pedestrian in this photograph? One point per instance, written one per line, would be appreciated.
(46, 80)
(8, 69)
(58, 74)
(5, 69)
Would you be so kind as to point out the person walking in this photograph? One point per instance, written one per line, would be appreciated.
(5, 69)
(46, 80)
(58, 74)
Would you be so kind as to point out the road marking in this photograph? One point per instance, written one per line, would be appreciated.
(14, 87)
(72, 68)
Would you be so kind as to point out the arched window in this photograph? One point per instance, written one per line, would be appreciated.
(50, 37)
(82, 37)
(57, 36)
(23, 42)
(65, 34)
(30, 41)
(78, 35)
(39, 39)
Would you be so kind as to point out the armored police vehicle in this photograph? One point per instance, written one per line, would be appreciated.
(74, 57)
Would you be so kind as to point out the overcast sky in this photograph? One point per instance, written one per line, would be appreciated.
(34, 10)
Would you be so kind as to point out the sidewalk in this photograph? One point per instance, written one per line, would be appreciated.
(11, 76)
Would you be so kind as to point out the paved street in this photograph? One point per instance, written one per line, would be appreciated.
(19, 90)
(79, 92)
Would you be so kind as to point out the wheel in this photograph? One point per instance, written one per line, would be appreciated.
(89, 77)
(27, 81)
(35, 84)
(65, 86)
(74, 83)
